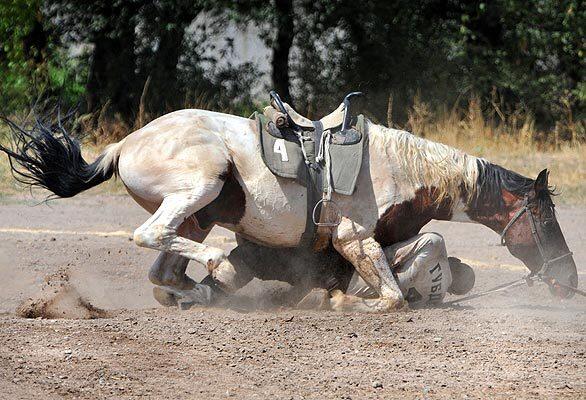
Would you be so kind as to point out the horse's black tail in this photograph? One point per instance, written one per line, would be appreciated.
(45, 155)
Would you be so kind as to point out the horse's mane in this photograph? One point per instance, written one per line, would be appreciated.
(453, 173)
(494, 178)
(425, 163)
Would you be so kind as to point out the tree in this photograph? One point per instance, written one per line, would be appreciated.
(164, 24)
(23, 52)
(533, 54)
(285, 32)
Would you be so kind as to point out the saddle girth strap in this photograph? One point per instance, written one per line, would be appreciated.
(314, 187)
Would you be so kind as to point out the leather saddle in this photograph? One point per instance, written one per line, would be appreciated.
(287, 121)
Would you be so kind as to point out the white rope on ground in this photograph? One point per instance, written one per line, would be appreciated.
(66, 232)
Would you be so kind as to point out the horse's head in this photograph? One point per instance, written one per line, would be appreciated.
(534, 236)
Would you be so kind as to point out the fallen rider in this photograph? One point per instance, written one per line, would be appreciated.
(421, 267)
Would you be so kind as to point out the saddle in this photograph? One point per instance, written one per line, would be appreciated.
(330, 121)
(325, 155)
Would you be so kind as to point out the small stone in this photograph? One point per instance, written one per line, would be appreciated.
(437, 339)
(377, 385)
(68, 351)
(191, 331)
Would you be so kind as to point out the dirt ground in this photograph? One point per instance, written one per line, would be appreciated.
(522, 343)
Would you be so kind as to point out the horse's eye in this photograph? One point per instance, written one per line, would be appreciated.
(548, 223)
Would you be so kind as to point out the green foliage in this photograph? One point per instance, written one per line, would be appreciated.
(518, 56)
(32, 64)
(532, 53)
(16, 21)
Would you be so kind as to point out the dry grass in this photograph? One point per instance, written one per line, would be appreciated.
(512, 142)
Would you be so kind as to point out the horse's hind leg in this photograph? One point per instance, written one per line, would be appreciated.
(161, 230)
(168, 275)
(169, 268)
(173, 286)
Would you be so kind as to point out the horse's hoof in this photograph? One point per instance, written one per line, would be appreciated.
(200, 295)
(317, 299)
(348, 303)
(164, 297)
(385, 305)
(401, 305)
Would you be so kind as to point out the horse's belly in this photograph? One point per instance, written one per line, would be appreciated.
(274, 213)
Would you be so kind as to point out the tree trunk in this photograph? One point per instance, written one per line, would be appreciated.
(112, 74)
(282, 48)
(165, 95)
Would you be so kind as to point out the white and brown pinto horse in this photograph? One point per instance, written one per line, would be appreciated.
(193, 169)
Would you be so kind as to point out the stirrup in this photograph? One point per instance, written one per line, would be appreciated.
(328, 224)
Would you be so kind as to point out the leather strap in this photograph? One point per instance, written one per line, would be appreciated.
(314, 187)
(544, 256)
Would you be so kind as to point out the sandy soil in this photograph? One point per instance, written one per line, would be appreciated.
(522, 343)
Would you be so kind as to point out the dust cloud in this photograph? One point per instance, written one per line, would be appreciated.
(58, 298)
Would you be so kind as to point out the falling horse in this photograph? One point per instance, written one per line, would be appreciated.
(193, 169)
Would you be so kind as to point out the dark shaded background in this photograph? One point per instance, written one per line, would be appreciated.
(515, 56)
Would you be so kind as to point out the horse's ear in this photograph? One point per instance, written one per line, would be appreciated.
(541, 183)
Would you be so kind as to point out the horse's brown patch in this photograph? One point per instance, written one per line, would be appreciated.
(519, 240)
(495, 216)
(228, 207)
(404, 220)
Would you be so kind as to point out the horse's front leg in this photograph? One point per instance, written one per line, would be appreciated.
(355, 244)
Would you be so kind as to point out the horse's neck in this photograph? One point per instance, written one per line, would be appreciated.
(488, 215)
(402, 221)
(447, 184)
(435, 178)
(487, 204)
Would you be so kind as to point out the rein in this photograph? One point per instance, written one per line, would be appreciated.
(529, 280)
(517, 282)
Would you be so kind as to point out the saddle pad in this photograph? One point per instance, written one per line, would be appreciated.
(283, 156)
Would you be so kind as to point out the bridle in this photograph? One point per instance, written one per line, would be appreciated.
(541, 275)
(547, 262)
